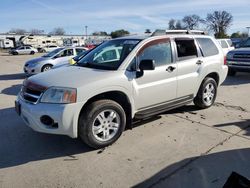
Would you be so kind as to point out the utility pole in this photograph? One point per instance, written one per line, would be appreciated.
(248, 28)
(86, 31)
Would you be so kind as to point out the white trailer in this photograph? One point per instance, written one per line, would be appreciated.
(6, 43)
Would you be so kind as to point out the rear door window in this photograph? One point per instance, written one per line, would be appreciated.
(208, 48)
(186, 48)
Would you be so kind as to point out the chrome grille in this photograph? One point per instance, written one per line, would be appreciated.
(30, 95)
(241, 56)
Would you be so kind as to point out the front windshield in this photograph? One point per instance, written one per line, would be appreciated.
(109, 55)
(245, 43)
(52, 53)
(79, 56)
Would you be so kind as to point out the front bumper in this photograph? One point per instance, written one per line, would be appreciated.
(241, 66)
(64, 115)
(31, 70)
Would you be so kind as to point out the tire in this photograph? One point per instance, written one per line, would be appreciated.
(46, 68)
(207, 93)
(32, 52)
(91, 117)
(15, 53)
(231, 72)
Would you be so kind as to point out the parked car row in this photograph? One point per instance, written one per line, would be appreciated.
(118, 81)
(59, 56)
(23, 50)
(238, 60)
(28, 49)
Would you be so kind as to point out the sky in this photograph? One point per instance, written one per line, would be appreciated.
(109, 15)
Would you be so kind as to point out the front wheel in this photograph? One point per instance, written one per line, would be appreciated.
(46, 68)
(32, 53)
(206, 94)
(101, 123)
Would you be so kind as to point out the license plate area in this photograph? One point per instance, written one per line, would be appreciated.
(18, 108)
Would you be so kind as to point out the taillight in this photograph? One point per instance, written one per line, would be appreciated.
(225, 60)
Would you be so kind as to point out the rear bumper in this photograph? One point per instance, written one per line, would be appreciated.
(223, 74)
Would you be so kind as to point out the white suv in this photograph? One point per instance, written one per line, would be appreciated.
(98, 96)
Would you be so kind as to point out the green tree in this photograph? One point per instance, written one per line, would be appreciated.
(147, 31)
(119, 33)
(219, 22)
(100, 33)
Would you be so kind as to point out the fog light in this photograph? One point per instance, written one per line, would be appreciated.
(46, 120)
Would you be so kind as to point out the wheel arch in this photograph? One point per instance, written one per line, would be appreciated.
(45, 65)
(118, 96)
(213, 75)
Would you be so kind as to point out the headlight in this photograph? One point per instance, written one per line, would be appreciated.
(230, 55)
(59, 95)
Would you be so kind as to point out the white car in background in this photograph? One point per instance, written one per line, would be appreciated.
(47, 61)
(226, 44)
(49, 48)
(23, 50)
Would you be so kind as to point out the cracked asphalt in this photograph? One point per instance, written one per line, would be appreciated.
(181, 148)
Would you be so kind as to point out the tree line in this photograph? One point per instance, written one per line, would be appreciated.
(217, 22)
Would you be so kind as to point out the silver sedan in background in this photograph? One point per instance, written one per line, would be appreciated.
(47, 61)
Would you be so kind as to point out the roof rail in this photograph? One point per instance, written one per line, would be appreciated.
(159, 32)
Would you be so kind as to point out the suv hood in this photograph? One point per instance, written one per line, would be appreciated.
(241, 50)
(70, 76)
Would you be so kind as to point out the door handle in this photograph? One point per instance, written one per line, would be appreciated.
(199, 62)
(170, 69)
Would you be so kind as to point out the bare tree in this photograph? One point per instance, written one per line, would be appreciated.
(36, 31)
(171, 24)
(191, 21)
(58, 31)
(18, 31)
(219, 22)
(175, 24)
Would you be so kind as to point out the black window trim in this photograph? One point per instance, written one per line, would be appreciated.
(198, 51)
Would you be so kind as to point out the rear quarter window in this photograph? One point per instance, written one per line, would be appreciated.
(208, 48)
(224, 44)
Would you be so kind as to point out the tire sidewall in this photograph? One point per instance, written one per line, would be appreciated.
(86, 123)
(204, 84)
(45, 67)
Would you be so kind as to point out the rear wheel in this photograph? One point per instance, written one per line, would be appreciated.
(46, 68)
(231, 72)
(32, 52)
(15, 53)
(101, 123)
(206, 94)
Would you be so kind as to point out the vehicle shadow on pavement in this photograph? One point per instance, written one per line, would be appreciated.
(239, 78)
(244, 125)
(210, 170)
(13, 90)
(17, 76)
(20, 144)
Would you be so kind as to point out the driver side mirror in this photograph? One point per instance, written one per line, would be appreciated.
(146, 64)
